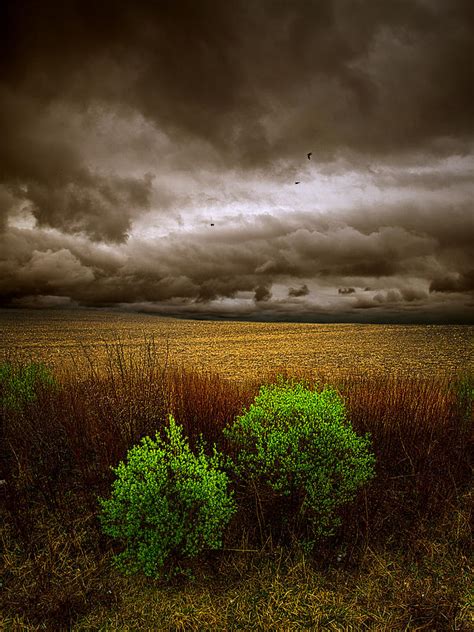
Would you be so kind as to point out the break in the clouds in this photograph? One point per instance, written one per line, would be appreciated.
(150, 152)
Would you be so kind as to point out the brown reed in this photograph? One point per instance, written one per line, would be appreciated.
(57, 453)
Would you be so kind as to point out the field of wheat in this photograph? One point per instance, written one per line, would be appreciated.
(401, 558)
(237, 350)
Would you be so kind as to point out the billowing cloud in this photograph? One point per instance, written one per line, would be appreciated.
(455, 282)
(346, 290)
(128, 129)
(262, 293)
(298, 291)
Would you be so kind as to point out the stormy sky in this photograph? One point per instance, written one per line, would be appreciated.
(149, 153)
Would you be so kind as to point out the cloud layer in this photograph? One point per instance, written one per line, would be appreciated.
(129, 128)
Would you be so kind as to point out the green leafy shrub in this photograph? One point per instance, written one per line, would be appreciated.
(299, 442)
(19, 385)
(167, 503)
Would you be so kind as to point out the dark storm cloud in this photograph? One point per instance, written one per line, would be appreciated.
(298, 291)
(202, 268)
(410, 294)
(255, 78)
(7, 202)
(252, 79)
(455, 282)
(445, 228)
(262, 293)
(346, 290)
(47, 172)
(390, 297)
(102, 207)
(235, 89)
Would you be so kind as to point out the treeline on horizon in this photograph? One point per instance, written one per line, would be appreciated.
(60, 436)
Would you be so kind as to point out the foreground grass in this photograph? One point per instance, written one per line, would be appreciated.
(425, 586)
(401, 561)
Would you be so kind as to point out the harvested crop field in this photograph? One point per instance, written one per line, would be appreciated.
(238, 350)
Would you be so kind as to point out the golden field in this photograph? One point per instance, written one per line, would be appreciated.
(239, 350)
(402, 557)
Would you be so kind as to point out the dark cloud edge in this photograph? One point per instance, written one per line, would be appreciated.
(443, 316)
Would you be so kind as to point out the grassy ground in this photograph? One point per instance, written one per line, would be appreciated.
(66, 582)
(401, 561)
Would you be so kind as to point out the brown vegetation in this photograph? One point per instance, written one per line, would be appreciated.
(400, 560)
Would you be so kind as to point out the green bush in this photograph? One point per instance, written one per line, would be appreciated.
(299, 442)
(167, 504)
(19, 385)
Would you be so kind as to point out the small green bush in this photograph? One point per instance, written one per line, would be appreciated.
(18, 385)
(167, 504)
(299, 442)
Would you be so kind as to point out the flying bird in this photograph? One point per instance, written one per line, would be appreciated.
(309, 155)
(297, 182)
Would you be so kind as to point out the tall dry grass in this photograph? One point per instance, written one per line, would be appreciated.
(66, 440)
(422, 435)
(57, 453)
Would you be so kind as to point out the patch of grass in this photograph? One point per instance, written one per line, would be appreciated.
(400, 560)
(53, 578)
(19, 384)
(423, 440)
(424, 586)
